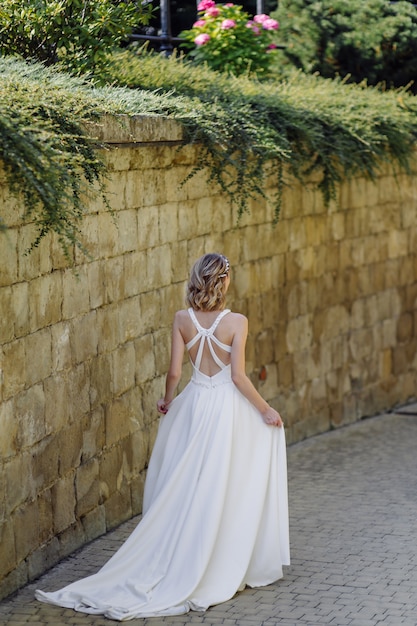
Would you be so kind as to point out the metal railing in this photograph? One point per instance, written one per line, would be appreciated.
(166, 39)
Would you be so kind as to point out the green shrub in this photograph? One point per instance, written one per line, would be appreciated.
(371, 40)
(242, 127)
(75, 33)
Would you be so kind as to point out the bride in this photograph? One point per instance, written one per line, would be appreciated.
(215, 512)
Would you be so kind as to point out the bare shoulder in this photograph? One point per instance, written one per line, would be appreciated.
(238, 319)
(181, 318)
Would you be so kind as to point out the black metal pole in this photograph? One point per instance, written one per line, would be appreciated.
(166, 34)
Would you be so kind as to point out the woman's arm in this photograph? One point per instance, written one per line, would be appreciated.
(240, 379)
(175, 367)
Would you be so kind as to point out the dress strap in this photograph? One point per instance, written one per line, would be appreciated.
(206, 334)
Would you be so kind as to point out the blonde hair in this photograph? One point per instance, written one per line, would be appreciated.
(206, 289)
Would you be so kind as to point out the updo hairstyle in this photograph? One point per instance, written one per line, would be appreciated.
(206, 289)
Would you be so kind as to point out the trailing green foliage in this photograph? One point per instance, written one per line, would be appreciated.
(372, 40)
(240, 125)
(75, 33)
(306, 122)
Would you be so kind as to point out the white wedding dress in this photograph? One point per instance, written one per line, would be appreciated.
(215, 513)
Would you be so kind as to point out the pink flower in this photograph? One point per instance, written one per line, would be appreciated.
(205, 4)
(212, 12)
(199, 23)
(200, 40)
(270, 24)
(260, 18)
(272, 46)
(255, 28)
(228, 24)
(229, 4)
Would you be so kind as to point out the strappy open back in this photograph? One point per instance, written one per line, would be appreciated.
(207, 335)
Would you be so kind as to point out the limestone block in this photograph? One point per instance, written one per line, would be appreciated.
(94, 523)
(158, 266)
(151, 392)
(9, 429)
(148, 227)
(123, 416)
(36, 262)
(30, 413)
(108, 234)
(129, 319)
(38, 356)
(118, 158)
(89, 239)
(42, 559)
(162, 343)
(45, 299)
(299, 333)
(69, 442)
(114, 279)
(397, 244)
(168, 223)
(61, 347)
(19, 484)
(93, 433)
(172, 299)
(9, 257)
(286, 371)
(75, 293)
(361, 344)
(63, 502)
(298, 300)
(84, 337)
(337, 226)
(134, 189)
(26, 529)
(57, 402)
(13, 368)
(45, 516)
(173, 186)
(45, 463)
(154, 188)
(110, 471)
(264, 349)
(407, 270)
(79, 391)
(87, 487)
(134, 273)
(187, 221)
(20, 308)
(116, 191)
(123, 369)
(96, 283)
(108, 328)
(128, 235)
(118, 506)
(71, 538)
(145, 358)
(150, 307)
(136, 493)
(298, 234)
(100, 380)
(6, 315)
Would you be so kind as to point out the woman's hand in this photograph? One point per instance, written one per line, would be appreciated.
(271, 417)
(162, 406)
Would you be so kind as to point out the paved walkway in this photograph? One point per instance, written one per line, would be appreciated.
(353, 524)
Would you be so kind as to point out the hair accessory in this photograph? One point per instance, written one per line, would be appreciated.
(225, 273)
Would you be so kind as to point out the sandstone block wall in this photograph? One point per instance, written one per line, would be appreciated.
(331, 296)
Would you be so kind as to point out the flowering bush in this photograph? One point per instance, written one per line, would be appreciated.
(227, 39)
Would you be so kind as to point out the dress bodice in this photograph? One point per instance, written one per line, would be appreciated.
(207, 336)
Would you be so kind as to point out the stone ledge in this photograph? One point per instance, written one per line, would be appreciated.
(136, 129)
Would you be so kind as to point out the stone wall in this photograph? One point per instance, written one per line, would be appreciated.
(331, 295)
